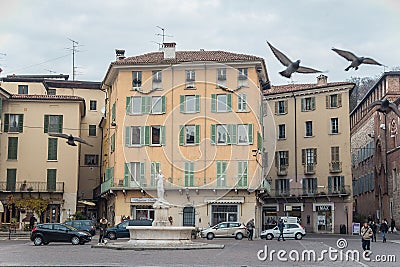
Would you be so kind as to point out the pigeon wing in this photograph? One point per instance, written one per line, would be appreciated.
(376, 103)
(280, 56)
(59, 135)
(371, 61)
(397, 101)
(346, 54)
(394, 108)
(80, 140)
(307, 70)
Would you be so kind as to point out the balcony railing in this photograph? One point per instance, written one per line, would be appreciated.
(309, 168)
(282, 170)
(32, 187)
(317, 192)
(335, 166)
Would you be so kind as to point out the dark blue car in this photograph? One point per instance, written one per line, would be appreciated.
(86, 225)
(120, 231)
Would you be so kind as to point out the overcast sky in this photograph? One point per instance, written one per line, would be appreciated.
(34, 34)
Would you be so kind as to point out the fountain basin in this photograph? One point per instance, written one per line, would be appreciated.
(160, 235)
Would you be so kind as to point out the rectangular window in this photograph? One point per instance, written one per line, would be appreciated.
(221, 78)
(135, 174)
(93, 105)
(113, 111)
(113, 143)
(282, 187)
(190, 79)
(222, 134)
(144, 135)
(136, 105)
(53, 123)
(242, 173)
(334, 101)
(335, 154)
(91, 160)
(136, 135)
(189, 174)
(221, 102)
(154, 171)
(190, 103)
(281, 107)
(242, 78)
(243, 133)
(281, 131)
(12, 148)
(308, 104)
(92, 130)
(283, 158)
(334, 125)
(155, 135)
(189, 135)
(224, 213)
(136, 80)
(52, 149)
(157, 79)
(221, 173)
(11, 179)
(242, 104)
(23, 89)
(13, 123)
(51, 179)
(336, 184)
(51, 92)
(309, 129)
(309, 186)
(157, 105)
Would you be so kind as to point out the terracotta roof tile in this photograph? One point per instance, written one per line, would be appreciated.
(47, 97)
(187, 56)
(300, 87)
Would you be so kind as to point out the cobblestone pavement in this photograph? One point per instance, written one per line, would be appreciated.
(235, 253)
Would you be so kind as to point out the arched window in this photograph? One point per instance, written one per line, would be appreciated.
(188, 216)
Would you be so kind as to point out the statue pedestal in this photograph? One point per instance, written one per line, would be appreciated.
(161, 209)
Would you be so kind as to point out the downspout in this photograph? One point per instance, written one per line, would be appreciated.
(205, 123)
(295, 137)
(173, 123)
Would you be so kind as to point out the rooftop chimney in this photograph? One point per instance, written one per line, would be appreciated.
(119, 54)
(322, 80)
(169, 50)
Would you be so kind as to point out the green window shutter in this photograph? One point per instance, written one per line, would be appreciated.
(191, 173)
(20, 123)
(51, 179)
(46, 123)
(148, 104)
(142, 173)
(342, 181)
(244, 177)
(304, 185)
(329, 184)
(233, 134)
(327, 101)
(223, 173)
(259, 142)
(147, 135)
(219, 172)
(303, 104)
(127, 174)
(52, 149)
(182, 103)
(213, 103)
(187, 170)
(113, 112)
(1, 107)
(143, 102)
(128, 105)
(197, 103)
(163, 104)
(229, 130)
(229, 102)
(12, 147)
(250, 129)
(127, 136)
(162, 135)
(197, 137)
(181, 135)
(60, 123)
(142, 135)
(240, 173)
(313, 103)
(6, 122)
(112, 142)
(213, 129)
(276, 107)
(11, 179)
(339, 100)
(303, 156)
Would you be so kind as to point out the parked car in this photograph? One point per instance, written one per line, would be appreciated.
(225, 229)
(87, 225)
(120, 231)
(58, 232)
(291, 230)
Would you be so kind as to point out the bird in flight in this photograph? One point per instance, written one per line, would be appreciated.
(355, 60)
(386, 106)
(291, 66)
(70, 139)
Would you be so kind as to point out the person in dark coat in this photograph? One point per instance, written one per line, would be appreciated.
(374, 228)
(366, 234)
(250, 228)
(281, 226)
(384, 228)
(32, 221)
(103, 228)
(392, 225)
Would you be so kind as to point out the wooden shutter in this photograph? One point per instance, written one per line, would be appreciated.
(303, 104)
(127, 136)
(313, 103)
(142, 134)
(163, 104)
(342, 182)
(128, 105)
(327, 101)
(213, 130)
(232, 134)
(339, 100)
(1, 107)
(315, 185)
(113, 112)
(127, 174)
(277, 159)
(197, 137)
(197, 108)
(51, 179)
(213, 103)
(229, 130)
(303, 156)
(187, 170)
(12, 147)
(182, 103)
(46, 123)
(329, 184)
(60, 123)
(6, 122)
(285, 104)
(52, 149)
(315, 156)
(20, 123)
(142, 173)
(162, 135)
(181, 135)
(11, 179)
(229, 102)
(304, 185)
(259, 142)
(250, 132)
(147, 135)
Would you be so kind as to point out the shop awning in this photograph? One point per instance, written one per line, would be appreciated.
(85, 202)
(1, 207)
(236, 200)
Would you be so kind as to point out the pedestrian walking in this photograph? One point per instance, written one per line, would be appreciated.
(366, 234)
(281, 226)
(250, 228)
(392, 225)
(32, 221)
(374, 228)
(384, 228)
(103, 229)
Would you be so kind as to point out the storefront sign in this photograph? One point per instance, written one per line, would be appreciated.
(324, 208)
(355, 228)
(143, 200)
(321, 219)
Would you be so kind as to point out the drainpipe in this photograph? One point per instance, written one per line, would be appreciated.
(295, 137)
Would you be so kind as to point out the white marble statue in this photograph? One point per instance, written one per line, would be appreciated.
(160, 186)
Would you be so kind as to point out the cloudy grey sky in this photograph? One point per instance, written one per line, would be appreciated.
(34, 34)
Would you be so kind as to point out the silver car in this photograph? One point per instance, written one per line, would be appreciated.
(225, 229)
(291, 230)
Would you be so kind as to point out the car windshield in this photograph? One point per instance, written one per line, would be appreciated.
(71, 227)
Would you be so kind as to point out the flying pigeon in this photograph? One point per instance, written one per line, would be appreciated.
(291, 66)
(71, 139)
(386, 106)
(355, 61)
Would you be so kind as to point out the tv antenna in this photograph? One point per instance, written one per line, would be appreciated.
(159, 44)
(74, 50)
(163, 34)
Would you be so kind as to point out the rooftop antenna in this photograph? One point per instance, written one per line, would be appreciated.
(159, 45)
(163, 34)
(74, 50)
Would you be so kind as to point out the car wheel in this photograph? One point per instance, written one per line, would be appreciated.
(38, 241)
(82, 243)
(210, 236)
(75, 240)
(269, 237)
(239, 236)
(298, 236)
(45, 243)
(112, 236)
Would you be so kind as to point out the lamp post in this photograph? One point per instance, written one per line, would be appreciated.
(346, 210)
